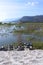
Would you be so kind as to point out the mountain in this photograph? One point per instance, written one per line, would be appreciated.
(38, 18)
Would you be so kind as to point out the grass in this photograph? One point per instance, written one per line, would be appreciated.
(37, 45)
(29, 27)
(33, 28)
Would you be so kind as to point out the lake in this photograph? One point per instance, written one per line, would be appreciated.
(8, 37)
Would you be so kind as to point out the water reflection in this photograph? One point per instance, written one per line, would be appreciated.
(7, 37)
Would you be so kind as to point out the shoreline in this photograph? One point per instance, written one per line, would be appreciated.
(27, 57)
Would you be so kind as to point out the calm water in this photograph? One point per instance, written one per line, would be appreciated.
(7, 37)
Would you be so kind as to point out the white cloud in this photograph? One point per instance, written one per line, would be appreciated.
(32, 3)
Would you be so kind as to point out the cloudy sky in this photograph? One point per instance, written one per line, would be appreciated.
(19, 8)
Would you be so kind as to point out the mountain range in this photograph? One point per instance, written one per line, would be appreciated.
(38, 18)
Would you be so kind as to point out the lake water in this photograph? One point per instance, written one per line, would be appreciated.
(7, 37)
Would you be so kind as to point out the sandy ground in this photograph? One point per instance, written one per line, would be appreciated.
(27, 57)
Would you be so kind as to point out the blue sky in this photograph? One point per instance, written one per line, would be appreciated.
(19, 8)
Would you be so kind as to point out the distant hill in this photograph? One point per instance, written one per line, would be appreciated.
(38, 18)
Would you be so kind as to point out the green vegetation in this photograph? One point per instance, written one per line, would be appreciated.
(37, 45)
(18, 44)
(30, 28)
(0, 23)
(33, 28)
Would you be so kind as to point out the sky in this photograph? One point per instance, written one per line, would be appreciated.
(20, 8)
